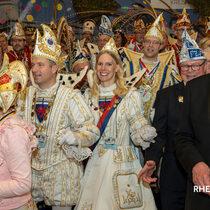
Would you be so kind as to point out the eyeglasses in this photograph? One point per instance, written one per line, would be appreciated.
(148, 42)
(195, 67)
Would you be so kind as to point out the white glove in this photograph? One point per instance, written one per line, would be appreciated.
(66, 136)
(147, 133)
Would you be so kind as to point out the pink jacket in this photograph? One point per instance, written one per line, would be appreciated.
(16, 144)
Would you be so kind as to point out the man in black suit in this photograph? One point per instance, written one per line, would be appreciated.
(169, 102)
(192, 142)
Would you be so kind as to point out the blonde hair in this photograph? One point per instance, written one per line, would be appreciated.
(121, 89)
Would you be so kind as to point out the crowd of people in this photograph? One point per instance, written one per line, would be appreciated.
(94, 127)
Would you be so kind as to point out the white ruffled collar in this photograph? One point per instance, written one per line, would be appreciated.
(107, 89)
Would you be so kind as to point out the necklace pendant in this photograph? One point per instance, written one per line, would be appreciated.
(41, 139)
(32, 114)
(41, 144)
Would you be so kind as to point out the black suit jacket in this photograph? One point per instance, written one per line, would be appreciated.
(192, 142)
(169, 102)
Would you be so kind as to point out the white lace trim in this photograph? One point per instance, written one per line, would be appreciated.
(77, 153)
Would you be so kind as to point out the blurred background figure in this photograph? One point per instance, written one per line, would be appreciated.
(105, 32)
(136, 43)
(4, 42)
(182, 22)
(119, 38)
(29, 32)
(20, 50)
(88, 30)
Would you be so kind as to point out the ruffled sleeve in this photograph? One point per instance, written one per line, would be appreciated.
(83, 127)
(141, 132)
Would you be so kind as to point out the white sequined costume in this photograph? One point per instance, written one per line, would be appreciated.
(56, 177)
(110, 181)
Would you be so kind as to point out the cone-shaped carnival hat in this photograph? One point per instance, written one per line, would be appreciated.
(155, 30)
(190, 50)
(139, 25)
(106, 27)
(18, 31)
(183, 20)
(110, 46)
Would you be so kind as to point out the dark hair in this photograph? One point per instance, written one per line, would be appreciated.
(122, 34)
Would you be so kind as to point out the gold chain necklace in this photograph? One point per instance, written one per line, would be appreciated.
(41, 128)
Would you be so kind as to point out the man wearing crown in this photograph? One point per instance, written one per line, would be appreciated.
(136, 43)
(20, 50)
(64, 125)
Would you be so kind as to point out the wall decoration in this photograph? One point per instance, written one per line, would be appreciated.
(37, 7)
(29, 18)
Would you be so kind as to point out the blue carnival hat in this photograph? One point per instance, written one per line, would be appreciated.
(106, 27)
(80, 55)
(190, 50)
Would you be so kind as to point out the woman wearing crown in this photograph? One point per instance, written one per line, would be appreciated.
(16, 141)
(110, 180)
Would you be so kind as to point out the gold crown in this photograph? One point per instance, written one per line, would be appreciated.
(18, 31)
(11, 76)
(155, 30)
(47, 47)
(110, 46)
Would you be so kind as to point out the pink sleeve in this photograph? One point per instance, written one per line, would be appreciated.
(15, 148)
